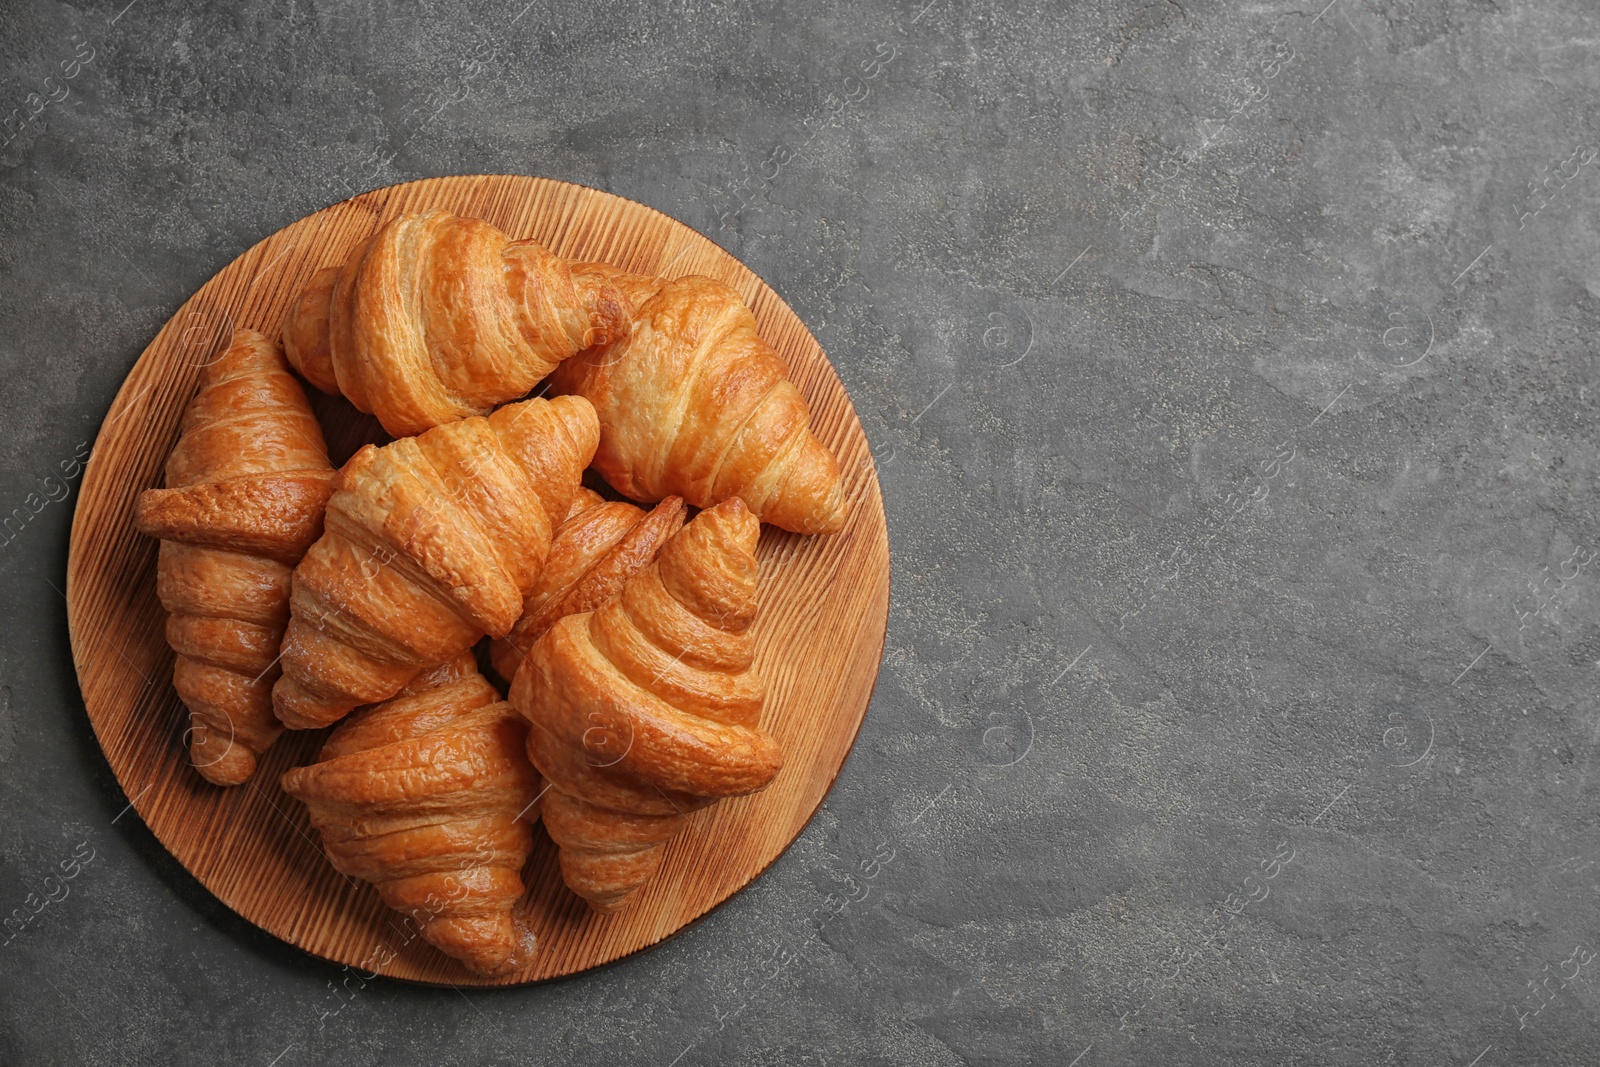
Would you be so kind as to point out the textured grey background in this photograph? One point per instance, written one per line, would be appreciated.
(1227, 367)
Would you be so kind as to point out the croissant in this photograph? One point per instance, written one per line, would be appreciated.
(430, 798)
(599, 546)
(647, 708)
(246, 486)
(431, 542)
(437, 317)
(693, 402)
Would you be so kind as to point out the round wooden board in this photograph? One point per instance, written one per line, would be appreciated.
(820, 632)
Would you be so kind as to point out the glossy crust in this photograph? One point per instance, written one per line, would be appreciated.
(636, 289)
(596, 550)
(246, 487)
(693, 403)
(431, 542)
(648, 708)
(437, 317)
(429, 797)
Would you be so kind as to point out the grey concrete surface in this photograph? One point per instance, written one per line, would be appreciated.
(1227, 367)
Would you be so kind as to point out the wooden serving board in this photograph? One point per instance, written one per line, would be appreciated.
(820, 632)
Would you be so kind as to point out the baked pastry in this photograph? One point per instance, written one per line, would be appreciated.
(429, 797)
(437, 317)
(431, 542)
(595, 551)
(693, 403)
(648, 708)
(246, 485)
(636, 289)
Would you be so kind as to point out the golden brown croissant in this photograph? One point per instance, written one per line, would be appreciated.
(431, 542)
(430, 798)
(648, 708)
(693, 402)
(595, 551)
(437, 317)
(246, 486)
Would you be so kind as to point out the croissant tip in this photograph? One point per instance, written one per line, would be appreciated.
(527, 945)
(576, 410)
(291, 780)
(524, 947)
(244, 347)
(611, 905)
(737, 518)
(834, 523)
(667, 518)
(228, 772)
(147, 502)
(285, 705)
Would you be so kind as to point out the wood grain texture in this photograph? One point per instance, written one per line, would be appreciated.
(820, 632)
